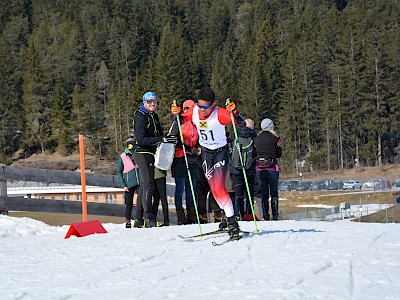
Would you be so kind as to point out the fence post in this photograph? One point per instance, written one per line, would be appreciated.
(386, 213)
(3, 193)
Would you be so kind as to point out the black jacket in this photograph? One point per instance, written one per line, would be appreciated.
(268, 145)
(147, 129)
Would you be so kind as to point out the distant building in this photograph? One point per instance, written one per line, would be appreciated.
(74, 193)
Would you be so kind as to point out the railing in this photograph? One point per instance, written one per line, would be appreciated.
(66, 178)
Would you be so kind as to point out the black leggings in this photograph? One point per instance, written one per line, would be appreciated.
(128, 196)
(239, 186)
(269, 188)
(161, 194)
(145, 162)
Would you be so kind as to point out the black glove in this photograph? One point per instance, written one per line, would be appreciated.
(172, 139)
(195, 152)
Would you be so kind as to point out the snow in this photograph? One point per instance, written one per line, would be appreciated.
(315, 205)
(285, 260)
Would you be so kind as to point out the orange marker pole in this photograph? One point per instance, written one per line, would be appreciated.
(83, 177)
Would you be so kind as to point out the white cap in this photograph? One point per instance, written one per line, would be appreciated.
(267, 124)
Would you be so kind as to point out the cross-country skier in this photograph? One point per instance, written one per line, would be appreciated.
(210, 121)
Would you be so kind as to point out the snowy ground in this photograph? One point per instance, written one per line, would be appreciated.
(286, 260)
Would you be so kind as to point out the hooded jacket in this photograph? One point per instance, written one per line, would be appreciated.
(127, 177)
(147, 130)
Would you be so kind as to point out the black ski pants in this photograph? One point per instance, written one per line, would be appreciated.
(145, 161)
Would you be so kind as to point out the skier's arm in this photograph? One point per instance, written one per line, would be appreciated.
(224, 117)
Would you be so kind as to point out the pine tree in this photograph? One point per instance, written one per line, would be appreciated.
(13, 39)
(325, 72)
(290, 113)
(375, 91)
(35, 105)
(223, 72)
(60, 120)
(201, 61)
(172, 80)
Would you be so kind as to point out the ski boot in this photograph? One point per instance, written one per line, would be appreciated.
(224, 223)
(233, 228)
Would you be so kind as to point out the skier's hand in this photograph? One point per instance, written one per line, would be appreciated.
(175, 109)
(195, 152)
(172, 139)
(231, 106)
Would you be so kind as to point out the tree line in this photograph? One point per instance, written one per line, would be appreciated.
(327, 72)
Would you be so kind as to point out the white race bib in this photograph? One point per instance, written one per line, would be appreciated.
(211, 132)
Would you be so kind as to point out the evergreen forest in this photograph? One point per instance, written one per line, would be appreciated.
(326, 72)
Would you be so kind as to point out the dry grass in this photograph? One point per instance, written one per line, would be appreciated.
(390, 215)
(326, 198)
(363, 174)
(294, 199)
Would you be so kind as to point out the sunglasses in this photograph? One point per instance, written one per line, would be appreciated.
(151, 101)
(204, 106)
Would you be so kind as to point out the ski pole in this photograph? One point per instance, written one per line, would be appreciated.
(236, 142)
(188, 171)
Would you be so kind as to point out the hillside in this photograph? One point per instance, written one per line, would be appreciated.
(56, 161)
(96, 165)
(82, 67)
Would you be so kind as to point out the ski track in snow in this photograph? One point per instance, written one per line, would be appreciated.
(285, 260)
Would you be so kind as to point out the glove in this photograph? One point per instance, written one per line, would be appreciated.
(175, 109)
(171, 139)
(231, 107)
(195, 152)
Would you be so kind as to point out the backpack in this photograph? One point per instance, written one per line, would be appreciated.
(246, 149)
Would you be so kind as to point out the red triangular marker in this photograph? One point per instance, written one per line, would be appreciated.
(81, 229)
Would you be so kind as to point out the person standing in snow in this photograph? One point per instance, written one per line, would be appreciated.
(128, 177)
(210, 121)
(239, 185)
(148, 134)
(268, 147)
(179, 170)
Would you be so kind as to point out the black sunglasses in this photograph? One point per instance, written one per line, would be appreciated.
(151, 101)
